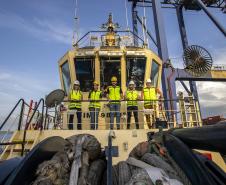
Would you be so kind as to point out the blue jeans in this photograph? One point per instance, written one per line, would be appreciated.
(114, 109)
(94, 113)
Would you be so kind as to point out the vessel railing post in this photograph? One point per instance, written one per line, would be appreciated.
(28, 123)
(45, 120)
(109, 161)
(21, 115)
(7, 118)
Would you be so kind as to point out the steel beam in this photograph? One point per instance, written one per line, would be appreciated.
(180, 18)
(185, 86)
(160, 30)
(162, 51)
(212, 17)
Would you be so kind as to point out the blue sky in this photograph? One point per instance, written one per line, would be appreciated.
(35, 34)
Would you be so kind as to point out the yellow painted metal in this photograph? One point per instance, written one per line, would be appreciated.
(216, 157)
(182, 109)
(218, 74)
(97, 68)
(70, 55)
(123, 72)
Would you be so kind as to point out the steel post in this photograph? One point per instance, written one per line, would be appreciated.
(162, 50)
(212, 17)
(109, 161)
(185, 87)
(180, 18)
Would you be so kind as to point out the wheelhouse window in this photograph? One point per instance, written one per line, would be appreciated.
(109, 66)
(85, 72)
(66, 77)
(135, 70)
(154, 73)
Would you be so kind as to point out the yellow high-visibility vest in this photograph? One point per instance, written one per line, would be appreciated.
(131, 95)
(95, 95)
(114, 94)
(149, 95)
(75, 95)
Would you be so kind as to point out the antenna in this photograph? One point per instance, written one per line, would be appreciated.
(76, 24)
(126, 11)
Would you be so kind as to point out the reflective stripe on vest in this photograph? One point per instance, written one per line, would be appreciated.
(149, 95)
(131, 95)
(114, 93)
(75, 95)
(95, 95)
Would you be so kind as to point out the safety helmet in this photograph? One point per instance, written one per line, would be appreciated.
(114, 79)
(131, 82)
(76, 82)
(95, 83)
(148, 80)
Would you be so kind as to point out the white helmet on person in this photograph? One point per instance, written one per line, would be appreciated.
(131, 82)
(148, 80)
(76, 82)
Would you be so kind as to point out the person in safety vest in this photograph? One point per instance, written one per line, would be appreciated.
(114, 95)
(94, 107)
(132, 96)
(76, 97)
(150, 97)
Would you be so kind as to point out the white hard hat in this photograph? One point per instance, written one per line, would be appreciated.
(131, 82)
(148, 80)
(76, 82)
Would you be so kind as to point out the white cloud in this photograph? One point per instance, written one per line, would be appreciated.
(212, 94)
(211, 97)
(16, 85)
(41, 28)
(4, 76)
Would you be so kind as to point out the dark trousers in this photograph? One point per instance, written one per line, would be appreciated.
(134, 110)
(79, 119)
(94, 113)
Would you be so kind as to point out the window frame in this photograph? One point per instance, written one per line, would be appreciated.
(153, 61)
(66, 62)
(144, 74)
(92, 60)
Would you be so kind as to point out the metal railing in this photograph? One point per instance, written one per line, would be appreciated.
(12, 111)
(35, 111)
(95, 39)
(191, 113)
(41, 102)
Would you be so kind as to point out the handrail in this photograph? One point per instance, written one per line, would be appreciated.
(34, 111)
(28, 123)
(127, 31)
(124, 100)
(21, 113)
